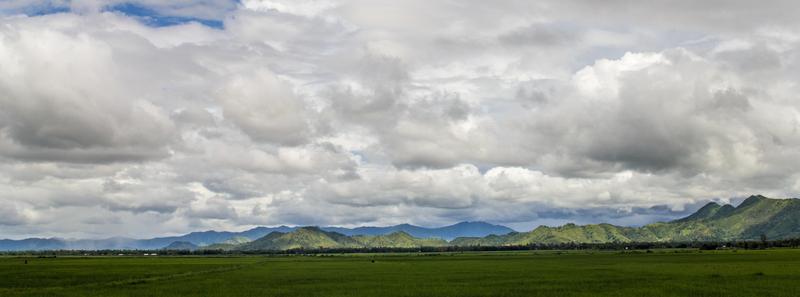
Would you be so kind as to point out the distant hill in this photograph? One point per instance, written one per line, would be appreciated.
(227, 245)
(209, 237)
(219, 239)
(237, 240)
(399, 239)
(568, 233)
(301, 238)
(181, 246)
(462, 229)
(316, 238)
(32, 244)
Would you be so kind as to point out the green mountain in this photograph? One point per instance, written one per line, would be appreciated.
(314, 238)
(301, 238)
(180, 246)
(756, 215)
(237, 240)
(220, 246)
(228, 245)
(399, 239)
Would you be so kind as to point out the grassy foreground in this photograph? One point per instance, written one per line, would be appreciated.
(579, 273)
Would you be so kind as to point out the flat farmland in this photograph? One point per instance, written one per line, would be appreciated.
(539, 273)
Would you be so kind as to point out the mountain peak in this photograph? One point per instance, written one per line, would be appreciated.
(473, 224)
(754, 199)
(705, 212)
(708, 208)
(180, 246)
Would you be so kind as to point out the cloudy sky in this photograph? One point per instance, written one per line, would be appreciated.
(140, 118)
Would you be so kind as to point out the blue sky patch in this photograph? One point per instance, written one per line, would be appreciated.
(36, 10)
(48, 10)
(153, 18)
(146, 15)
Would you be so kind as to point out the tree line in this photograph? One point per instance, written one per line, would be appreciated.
(609, 246)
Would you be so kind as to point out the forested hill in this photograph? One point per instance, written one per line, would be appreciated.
(756, 216)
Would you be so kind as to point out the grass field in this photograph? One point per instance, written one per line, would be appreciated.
(578, 273)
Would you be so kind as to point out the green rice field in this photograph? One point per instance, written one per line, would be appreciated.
(530, 273)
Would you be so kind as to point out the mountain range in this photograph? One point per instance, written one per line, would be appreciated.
(313, 238)
(222, 239)
(755, 217)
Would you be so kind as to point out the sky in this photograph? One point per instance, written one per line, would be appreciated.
(145, 117)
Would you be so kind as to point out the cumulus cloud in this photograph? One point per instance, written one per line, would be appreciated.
(63, 99)
(265, 108)
(376, 112)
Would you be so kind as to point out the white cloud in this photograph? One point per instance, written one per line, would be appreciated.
(384, 112)
(66, 98)
(264, 107)
(306, 8)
